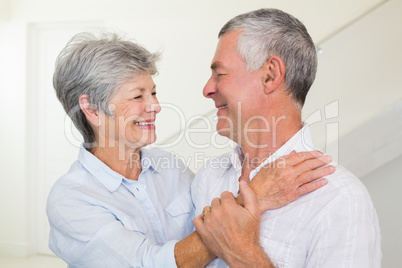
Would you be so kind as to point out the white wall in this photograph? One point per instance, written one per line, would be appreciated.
(13, 193)
(4, 10)
(359, 69)
(384, 185)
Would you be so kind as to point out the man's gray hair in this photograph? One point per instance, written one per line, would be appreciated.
(97, 66)
(272, 32)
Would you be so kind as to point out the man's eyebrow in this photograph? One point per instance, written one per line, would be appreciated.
(215, 65)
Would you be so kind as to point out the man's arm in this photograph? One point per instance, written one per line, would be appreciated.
(347, 234)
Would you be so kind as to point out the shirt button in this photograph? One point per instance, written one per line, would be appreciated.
(152, 217)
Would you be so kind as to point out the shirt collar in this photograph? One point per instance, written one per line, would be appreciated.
(148, 161)
(235, 158)
(109, 178)
(301, 141)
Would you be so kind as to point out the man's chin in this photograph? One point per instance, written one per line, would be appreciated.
(225, 132)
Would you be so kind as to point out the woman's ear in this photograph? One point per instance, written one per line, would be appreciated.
(90, 113)
(273, 74)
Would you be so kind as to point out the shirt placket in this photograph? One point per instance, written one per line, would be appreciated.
(144, 199)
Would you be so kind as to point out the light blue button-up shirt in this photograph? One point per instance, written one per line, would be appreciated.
(98, 218)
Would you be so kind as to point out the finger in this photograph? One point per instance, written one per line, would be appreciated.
(250, 199)
(310, 187)
(297, 158)
(311, 164)
(206, 208)
(312, 175)
(227, 197)
(204, 214)
(200, 226)
(216, 202)
(198, 223)
(289, 155)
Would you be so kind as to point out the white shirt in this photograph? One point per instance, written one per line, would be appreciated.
(98, 218)
(335, 226)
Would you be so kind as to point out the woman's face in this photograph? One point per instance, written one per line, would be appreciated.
(134, 107)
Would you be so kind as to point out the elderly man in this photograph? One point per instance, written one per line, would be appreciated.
(264, 65)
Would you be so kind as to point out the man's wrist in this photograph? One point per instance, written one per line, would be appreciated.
(254, 257)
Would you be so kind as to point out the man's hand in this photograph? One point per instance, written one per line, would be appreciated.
(232, 231)
(284, 180)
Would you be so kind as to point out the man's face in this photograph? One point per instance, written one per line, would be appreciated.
(235, 91)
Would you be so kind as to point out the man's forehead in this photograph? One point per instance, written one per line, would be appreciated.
(225, 50)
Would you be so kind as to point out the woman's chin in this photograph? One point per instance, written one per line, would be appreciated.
(149, 142)
(142, 142)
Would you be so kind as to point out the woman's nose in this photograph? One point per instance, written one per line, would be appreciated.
(153, 106)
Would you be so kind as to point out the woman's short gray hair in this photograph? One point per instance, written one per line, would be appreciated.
(97, 66)
(272, 32)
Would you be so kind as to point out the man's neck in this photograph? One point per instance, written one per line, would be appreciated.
(261, 145)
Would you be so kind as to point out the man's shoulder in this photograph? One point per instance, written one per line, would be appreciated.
(339, 199)
(344, 182)
(343, 187)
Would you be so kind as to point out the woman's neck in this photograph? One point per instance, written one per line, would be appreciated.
(123, 160)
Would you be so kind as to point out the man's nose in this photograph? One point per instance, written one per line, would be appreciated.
(209, 88)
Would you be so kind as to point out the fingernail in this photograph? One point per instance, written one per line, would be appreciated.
(329, 158)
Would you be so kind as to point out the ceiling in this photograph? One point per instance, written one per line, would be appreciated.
(322, 18)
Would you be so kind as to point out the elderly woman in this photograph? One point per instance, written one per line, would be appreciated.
(117, 206)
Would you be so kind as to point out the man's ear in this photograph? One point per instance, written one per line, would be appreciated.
(90, 113)
(273, 74)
